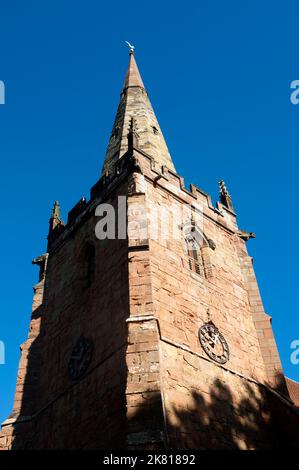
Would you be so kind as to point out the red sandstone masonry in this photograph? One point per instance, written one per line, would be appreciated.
(143, 392)
(181, 300)
(149, 384)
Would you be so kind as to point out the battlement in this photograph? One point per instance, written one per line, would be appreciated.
(138, 161)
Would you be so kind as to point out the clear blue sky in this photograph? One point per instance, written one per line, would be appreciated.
(218, 74)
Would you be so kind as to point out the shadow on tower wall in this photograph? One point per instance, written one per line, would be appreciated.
(54, 411)
(215, 421)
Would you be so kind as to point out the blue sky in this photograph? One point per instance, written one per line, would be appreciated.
(218, 74)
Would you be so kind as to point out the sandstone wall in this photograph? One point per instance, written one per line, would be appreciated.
(89, 412)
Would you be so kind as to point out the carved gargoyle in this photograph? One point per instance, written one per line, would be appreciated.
(245, 235)
(211, 244)
(41, 261)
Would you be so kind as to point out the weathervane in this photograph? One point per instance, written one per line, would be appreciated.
(131, 47)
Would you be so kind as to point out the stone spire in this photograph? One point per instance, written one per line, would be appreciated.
(135, 104)
(225, 197)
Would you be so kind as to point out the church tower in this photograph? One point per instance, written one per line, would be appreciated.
(148, 330)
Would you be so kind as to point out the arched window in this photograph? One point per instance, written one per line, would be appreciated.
(199, 249)
(90, 265)
(194, 253)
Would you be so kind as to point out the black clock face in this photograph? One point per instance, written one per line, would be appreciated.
(80, 358)
(213, 343)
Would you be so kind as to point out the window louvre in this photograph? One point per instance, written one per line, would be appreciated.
(194, 255)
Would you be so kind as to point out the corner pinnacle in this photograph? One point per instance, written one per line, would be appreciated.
(56, 211)
(55, 219)
(225, 197)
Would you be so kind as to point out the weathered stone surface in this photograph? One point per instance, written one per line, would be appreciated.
(149, 384)
(135, 103)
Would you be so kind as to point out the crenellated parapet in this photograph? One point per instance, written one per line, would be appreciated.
(136, 161)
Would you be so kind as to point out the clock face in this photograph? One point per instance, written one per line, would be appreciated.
(213, 343)
(80, 358)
